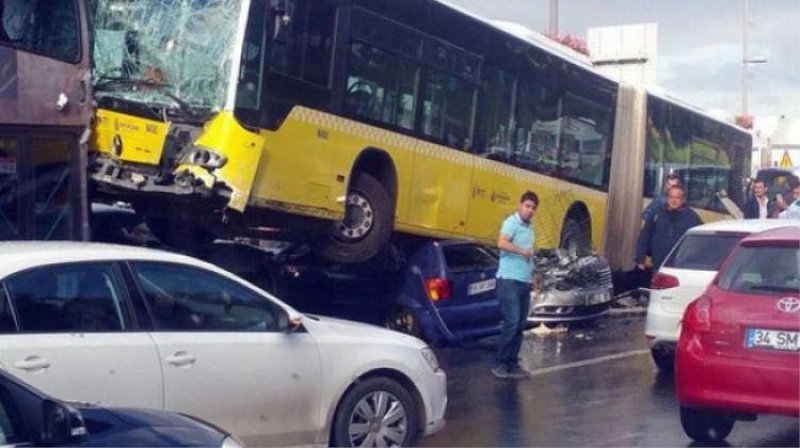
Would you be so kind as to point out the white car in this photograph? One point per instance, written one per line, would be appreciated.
(688, 269)
(139, 327)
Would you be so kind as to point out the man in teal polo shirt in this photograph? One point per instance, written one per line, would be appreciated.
(514, 282)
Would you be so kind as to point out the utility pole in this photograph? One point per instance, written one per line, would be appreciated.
(746, 59)
(553, 27)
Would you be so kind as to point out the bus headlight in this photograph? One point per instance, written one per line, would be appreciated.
(116, 145)
(205, 158)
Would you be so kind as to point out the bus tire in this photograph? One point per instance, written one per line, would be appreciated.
(575, 239)
(366, 227)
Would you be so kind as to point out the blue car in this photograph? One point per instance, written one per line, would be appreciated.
(29, 417)
(440, 291)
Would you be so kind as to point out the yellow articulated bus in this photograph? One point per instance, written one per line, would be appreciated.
(346, 121)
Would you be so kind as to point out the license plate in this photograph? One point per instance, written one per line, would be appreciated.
(773, 339)
(482, 286)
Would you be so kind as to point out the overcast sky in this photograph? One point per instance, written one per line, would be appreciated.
(699, 44)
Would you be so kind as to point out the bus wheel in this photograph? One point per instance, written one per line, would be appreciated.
(575, 239)
(367, 224)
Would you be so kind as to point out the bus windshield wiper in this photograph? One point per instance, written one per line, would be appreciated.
(105, 82)
(188, 111)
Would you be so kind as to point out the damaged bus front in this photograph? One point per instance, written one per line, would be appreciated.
(166, 79)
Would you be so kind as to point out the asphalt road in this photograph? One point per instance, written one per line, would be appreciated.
(591, 386)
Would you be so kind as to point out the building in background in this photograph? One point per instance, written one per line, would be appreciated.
(627, 53)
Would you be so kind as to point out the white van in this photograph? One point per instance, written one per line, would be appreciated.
(684, 275)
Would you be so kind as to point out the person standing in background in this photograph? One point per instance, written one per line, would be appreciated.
(672, 180)
(786, 197)
(792, 211)
(759, 206)
(665, 228)
(514, 284)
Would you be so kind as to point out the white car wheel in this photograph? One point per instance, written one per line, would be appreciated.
(376, 412)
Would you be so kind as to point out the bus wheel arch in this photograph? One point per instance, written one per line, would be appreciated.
(369, 211)
(576, 230)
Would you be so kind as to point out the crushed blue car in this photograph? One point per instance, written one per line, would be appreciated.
(441, 291)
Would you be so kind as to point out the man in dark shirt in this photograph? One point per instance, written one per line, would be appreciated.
(665, 228)
(758, 206)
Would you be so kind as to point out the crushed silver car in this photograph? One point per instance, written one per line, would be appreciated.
(570, 288)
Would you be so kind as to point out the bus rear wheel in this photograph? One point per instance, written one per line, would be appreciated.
(366, 227)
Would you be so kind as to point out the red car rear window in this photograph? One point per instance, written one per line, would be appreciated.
(762, 270)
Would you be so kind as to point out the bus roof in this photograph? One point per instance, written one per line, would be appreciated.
(660, 93)
(532, 37)
(541, 41)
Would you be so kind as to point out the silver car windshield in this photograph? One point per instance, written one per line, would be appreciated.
(173, 52)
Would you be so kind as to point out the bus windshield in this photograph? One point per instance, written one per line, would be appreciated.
(168, 52)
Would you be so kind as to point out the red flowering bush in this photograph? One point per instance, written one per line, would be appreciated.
(745, 121)
(570, 41)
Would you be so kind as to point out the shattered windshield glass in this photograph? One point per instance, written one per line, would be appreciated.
(173, 52)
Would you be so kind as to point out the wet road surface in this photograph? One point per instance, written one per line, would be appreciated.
(591, 386)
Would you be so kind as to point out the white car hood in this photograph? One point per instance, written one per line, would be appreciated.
(359, 331)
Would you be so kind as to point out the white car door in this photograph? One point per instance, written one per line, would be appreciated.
(225, 360)
(71, 336)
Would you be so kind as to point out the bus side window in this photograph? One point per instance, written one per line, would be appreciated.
(447, 110)
(380, 86)
(248, 95)
(492, 136)
(303, 39)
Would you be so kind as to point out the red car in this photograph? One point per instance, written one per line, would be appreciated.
(738, 354)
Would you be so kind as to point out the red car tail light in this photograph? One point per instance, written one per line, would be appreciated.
(664, 281)
(438, 288)
(697, 318)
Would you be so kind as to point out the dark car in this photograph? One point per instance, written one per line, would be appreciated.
(119, 224)
(29, 417)
(440, 291)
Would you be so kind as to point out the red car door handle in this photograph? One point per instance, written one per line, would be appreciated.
(32, 363)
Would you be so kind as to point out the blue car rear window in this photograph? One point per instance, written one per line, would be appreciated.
(464, 257)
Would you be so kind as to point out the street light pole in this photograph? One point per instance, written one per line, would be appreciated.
(744, 58)
(553, 28)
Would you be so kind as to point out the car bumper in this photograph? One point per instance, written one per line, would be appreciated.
(433, 391)
(704, 380)
(570, 305)
(569, 314)
(661, 326)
